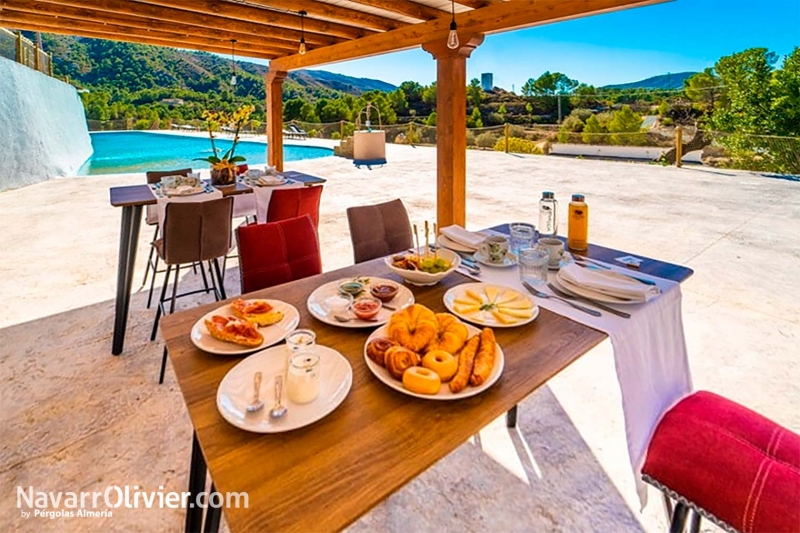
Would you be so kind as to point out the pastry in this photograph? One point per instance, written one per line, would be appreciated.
(235, 330)
(451, 334)
(376, 349)
(398, 359)
(466, 358)
(260, 312)
(413, 327)
(443, 363)
(484, 359)
(421, 380)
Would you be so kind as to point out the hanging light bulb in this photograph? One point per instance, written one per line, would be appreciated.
(452, 37)
(233, 63)
(302, 49)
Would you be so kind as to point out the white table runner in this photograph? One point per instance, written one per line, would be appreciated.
(649, 354)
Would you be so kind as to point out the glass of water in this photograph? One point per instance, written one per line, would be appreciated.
(522, 236)
(533, 265)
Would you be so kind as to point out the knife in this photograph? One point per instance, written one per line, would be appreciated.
(599, 305)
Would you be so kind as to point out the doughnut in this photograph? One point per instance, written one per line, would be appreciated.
(451, 334)
(376, 349)
(413, 327)
(443, 363)
(398, 360)
(421, 380)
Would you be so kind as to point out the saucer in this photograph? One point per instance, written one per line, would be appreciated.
(509, 260)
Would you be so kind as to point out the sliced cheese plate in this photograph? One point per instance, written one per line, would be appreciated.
(491, 305)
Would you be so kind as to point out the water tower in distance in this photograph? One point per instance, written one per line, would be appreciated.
(487, 81)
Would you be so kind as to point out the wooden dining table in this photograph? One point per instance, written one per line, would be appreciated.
(132, 198)
(324, 476)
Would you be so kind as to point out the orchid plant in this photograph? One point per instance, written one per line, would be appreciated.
(216, 119)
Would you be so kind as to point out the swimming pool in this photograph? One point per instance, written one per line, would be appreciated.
(136, 151)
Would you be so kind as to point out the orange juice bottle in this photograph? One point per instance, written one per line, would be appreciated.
(578, 223)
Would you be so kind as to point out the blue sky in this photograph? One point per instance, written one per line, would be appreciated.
(683, 35)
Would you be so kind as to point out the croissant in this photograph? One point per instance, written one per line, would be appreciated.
(234, 330)
(399, 359)
(484, 359)
(451, 334)
(376, 349)
(413, 327)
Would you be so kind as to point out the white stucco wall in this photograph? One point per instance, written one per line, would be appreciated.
(624, 152)
(43, 130)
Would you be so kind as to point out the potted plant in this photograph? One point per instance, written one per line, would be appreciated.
(223, 169)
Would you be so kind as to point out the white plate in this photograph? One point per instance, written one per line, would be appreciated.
(508, 261)
(185, 190)
(589, 294)
(272, 334)
(444, 393)
(266, 181)
(236, 391)
(485, 318)
(446, 242)
(316, 303)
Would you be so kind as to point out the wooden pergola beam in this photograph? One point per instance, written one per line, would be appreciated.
(404, 7)
(263, 16)
(321, 10)
(84, 15)
(181, 18)
(495, 18)
(156, 38)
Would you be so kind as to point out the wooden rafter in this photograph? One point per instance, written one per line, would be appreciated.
(16, 7)
(321, 10)
(404, 7)
(264, 16)
(495, 18)
(203, 22)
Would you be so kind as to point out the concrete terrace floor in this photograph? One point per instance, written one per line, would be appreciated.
(74, 418)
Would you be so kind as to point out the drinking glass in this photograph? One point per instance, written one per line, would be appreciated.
(533, 265)
(300, 339)
(522, 236)
(302, 380)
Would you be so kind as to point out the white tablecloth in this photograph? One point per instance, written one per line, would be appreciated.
(264, 196)
(162, 199)
(649, 355)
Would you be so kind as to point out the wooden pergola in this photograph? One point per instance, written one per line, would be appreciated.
(333, 30)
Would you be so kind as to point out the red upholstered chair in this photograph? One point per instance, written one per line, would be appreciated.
(277, 252)
(727, 463)
(291, 203)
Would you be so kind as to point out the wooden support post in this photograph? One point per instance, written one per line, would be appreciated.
(36, 57)
(679, 146)
(20, 52)
(274, 81)
(411, 133)
(451, 127)
(505, 132)
(341, 129)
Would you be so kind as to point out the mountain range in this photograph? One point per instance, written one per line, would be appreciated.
(672, 80)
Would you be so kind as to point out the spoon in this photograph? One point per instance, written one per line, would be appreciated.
(279, 410)
(256, 404)
(342, 318)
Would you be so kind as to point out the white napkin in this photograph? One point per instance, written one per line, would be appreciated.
(608, 283)
(462, 236)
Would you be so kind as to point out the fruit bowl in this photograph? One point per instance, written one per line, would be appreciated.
(420, 277)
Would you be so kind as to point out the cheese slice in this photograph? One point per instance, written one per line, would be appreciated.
(508, 296)
(466, 309)
(474, 296)
(492, 293)
(503, 319)
(518, 313)
(518, 304)
(465, 301)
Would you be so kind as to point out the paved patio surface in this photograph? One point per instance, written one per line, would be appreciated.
(74, 418)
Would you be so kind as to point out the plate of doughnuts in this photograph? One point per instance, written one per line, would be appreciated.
(434, 356)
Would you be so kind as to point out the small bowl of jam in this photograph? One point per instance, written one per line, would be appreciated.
(366, 308)
(385, 292)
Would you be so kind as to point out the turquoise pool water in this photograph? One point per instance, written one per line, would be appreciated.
(135, 151)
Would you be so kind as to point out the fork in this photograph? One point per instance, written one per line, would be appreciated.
(611, 310)
(546, 296)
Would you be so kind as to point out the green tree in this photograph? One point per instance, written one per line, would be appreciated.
(429, 95)
(431, 120)
(474, 92)
(625, 127)
(705, 89)
(379, 100)
(502, 109)
(475, 120)
(593, 131)
(399, 102)
(528, 88)
(552, 83)
(787, 104)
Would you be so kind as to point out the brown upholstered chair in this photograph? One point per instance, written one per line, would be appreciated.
(379, 230)
(151, 219)
(193, 232)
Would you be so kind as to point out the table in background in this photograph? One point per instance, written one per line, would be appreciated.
(325, 476)
(131, 199)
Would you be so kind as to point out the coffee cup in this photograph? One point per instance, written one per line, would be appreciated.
(494, 248)
(555, 247)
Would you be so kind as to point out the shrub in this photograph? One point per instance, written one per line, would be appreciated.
(666, 121)
(625, 127)
(517, 146)
(582, 114)
(312, 133)
(335, 136)
(470, 138)
(516, 131)
(493, 119)
(572, 124)
(474, 120)
(142, 124)
(593, 131)
(431, 120)
(486, 139)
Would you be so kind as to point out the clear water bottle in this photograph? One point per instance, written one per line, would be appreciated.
(548, 215)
